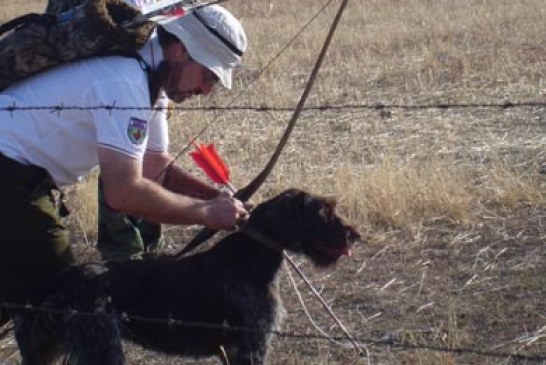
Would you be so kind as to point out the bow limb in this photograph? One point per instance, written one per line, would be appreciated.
(246, 193)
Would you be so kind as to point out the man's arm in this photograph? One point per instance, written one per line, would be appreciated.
(128, 191)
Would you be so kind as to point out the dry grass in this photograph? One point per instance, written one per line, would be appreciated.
(451, 202)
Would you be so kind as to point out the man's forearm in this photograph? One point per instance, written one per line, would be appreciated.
(130, 191)
(179, 181)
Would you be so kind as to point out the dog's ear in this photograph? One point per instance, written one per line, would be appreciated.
(307, 203)
(272, 216)
(324, 206)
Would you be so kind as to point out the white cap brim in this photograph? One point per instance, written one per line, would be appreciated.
(205, 43)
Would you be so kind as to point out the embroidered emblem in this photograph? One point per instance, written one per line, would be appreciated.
(136, 131)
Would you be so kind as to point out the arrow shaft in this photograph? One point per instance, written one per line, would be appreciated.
(161, 8)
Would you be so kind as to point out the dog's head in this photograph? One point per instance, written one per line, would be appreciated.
(306, 223)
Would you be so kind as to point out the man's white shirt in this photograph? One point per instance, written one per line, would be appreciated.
(64, 141)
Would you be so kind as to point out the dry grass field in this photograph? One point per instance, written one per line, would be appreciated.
(451, 202)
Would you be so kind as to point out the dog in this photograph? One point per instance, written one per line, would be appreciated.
(221, 302)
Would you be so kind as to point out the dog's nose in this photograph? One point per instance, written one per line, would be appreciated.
(353, 235)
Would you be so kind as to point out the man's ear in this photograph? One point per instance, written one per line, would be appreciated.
(175, 52)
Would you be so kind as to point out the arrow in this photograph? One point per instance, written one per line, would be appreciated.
(164, 9)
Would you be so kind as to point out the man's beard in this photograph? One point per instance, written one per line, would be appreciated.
(158, 79)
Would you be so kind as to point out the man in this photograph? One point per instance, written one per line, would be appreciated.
(41, 150)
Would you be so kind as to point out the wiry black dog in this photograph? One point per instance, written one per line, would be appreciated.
(213, 297)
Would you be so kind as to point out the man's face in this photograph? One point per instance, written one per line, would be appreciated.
(186, 77)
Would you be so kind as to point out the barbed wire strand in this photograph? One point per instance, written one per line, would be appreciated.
(262, 108)
(391, 343)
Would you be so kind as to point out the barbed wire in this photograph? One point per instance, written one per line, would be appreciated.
(375, 106)
(388, 342)
(264, 108)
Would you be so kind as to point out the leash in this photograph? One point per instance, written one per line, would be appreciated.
(274, 246)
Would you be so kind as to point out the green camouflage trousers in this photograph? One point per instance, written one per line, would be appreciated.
(34, 245)
(123, 236)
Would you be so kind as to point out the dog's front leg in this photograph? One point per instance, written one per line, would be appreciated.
(250, 346)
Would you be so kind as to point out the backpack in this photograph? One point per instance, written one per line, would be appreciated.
(68, 31)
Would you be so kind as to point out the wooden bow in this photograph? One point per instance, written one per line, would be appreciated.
(246, 193)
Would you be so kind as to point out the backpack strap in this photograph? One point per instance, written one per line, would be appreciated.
(143, 65)
(32, 18)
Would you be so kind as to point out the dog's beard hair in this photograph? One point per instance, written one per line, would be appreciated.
(158, 79)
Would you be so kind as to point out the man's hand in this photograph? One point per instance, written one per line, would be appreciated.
(225, 212)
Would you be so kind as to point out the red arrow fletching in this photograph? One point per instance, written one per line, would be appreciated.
(210, 162)
(176, 12)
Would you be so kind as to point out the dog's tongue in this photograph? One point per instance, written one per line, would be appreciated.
(347, 252)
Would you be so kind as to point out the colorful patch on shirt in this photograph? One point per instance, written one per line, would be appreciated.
(137, 129)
